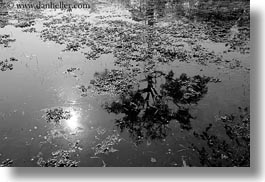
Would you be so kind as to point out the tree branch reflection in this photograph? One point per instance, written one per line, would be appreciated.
(148, 118)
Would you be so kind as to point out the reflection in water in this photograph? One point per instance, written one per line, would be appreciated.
(3, 15)
(73, 121)
(3, 21)
(69, 116)
(146, 112)
(148, 118)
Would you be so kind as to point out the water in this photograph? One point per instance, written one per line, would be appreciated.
(38, 82)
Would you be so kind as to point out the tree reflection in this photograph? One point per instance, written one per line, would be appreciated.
(3, 20)
(147, 112)
(3, 14)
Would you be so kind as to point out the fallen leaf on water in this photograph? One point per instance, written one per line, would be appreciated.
(153, 160)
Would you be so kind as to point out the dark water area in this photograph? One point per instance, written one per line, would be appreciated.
(106, 88)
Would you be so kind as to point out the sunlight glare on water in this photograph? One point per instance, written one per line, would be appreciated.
(73, 122)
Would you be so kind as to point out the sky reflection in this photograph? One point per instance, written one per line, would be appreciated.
(74, 122)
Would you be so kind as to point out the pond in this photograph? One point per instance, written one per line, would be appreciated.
(97, 88)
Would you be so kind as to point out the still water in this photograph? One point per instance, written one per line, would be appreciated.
(38, 82)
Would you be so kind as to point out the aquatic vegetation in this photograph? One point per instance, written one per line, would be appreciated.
(60, 158)
(229, 24)
(6, 65)
(238, 129)
(84, 90)
(225, 21)
(72, 47)
(106, 145)
(113, 81)
(30, 30)
(72, 71)
(220, 151)
(133, 42)
(25, 24)
(56, 115)
(7, 163)
(12, 59)
(143, 102)
(5, 40)
(185, 89)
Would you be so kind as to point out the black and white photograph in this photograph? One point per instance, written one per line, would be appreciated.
(125, 83)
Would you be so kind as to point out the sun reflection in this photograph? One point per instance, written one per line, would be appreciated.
(72, 123)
